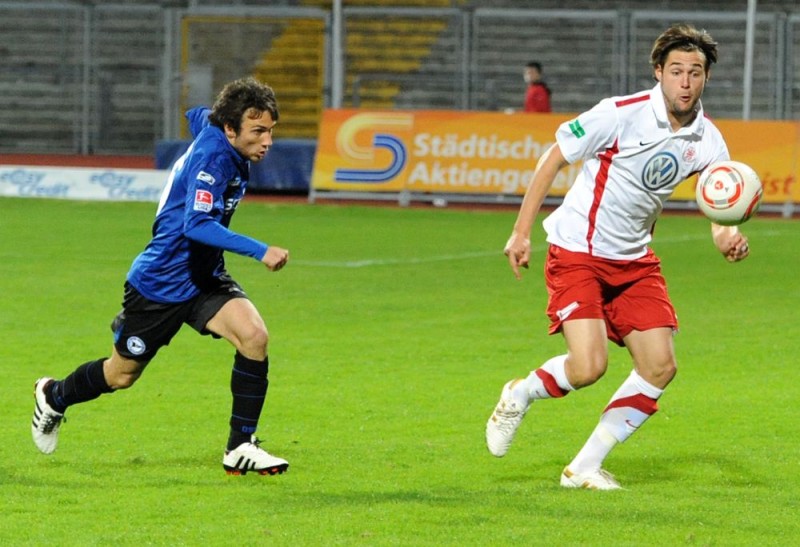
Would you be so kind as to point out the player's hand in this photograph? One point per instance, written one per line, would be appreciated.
(518, 251)
(275, 258)
(739, 251)
(730, 242)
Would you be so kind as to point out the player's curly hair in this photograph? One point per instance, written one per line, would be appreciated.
(243, 97)
(684, 37)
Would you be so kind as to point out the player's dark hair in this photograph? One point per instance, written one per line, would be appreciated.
(245, 96)
(683, 37)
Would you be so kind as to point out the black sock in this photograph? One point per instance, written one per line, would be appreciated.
(86, 383)
(249, 389)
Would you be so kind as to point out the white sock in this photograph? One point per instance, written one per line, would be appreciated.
(549, 380)
(597, 447)
(632, 404)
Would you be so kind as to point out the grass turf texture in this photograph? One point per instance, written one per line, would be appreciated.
(392, 332)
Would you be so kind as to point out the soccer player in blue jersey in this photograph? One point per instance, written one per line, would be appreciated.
(180, 278)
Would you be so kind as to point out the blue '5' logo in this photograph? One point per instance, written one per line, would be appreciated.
(391, 143)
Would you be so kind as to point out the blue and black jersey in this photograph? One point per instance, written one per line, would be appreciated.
(190, 231)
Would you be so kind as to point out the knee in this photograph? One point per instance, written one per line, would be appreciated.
(661, 374)
(254, 340)
(586, 370)
(670, 370)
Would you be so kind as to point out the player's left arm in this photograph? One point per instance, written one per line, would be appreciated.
(728, 239)
(207, 230)
(203, 209)
(730, 242)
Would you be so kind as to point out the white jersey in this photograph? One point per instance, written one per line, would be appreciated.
(633, 161)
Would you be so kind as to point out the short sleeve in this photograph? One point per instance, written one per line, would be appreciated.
(590, 133)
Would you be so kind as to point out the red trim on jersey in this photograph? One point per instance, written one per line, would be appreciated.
(550, 383)
(600, 181)
(640, 402)
(632, 100)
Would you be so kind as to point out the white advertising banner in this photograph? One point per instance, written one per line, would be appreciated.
(82, 183)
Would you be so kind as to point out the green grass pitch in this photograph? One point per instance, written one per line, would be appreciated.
(392, 332)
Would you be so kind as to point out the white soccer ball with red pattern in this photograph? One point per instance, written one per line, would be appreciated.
(728, 192)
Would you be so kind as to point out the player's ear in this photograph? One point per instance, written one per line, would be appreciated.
(230, 132)
(657, 70)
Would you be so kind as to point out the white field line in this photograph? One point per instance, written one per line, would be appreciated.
(369, 262)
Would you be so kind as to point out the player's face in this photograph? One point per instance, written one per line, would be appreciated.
(254, 137)
(683, 78)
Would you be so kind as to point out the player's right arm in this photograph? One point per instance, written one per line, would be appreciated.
(518, 247)
(581, 138)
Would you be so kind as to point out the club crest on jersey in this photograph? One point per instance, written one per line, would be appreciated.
(661, 170)
(203, 200)
(206, 177)
(135, 345)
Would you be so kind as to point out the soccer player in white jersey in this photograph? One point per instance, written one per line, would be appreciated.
(603, 281)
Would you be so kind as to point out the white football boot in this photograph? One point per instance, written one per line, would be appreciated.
(598, 479)
(504, 421)
(251, 457)
(46, 421)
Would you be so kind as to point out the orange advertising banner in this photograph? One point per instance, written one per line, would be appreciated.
(450, 152)
(464, 152)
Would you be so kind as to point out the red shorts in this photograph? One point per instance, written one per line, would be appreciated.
(628, 294)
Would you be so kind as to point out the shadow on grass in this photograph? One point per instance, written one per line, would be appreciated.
(697, 468)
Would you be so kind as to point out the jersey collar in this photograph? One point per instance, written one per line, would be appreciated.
(660, 111)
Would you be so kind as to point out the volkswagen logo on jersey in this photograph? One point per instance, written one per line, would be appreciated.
(661, 170)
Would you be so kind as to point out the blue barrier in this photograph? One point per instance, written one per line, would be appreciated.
(287, 166)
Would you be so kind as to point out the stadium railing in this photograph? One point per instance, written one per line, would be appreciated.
(114, 78)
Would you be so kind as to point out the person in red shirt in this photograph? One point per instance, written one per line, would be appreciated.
(537, 96)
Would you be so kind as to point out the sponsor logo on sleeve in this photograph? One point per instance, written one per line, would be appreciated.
(203, 201)
(577, 129)
(206, 177)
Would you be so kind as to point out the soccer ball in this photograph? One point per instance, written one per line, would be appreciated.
(728, 192)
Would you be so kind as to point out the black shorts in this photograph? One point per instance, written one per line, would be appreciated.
(144, 326)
